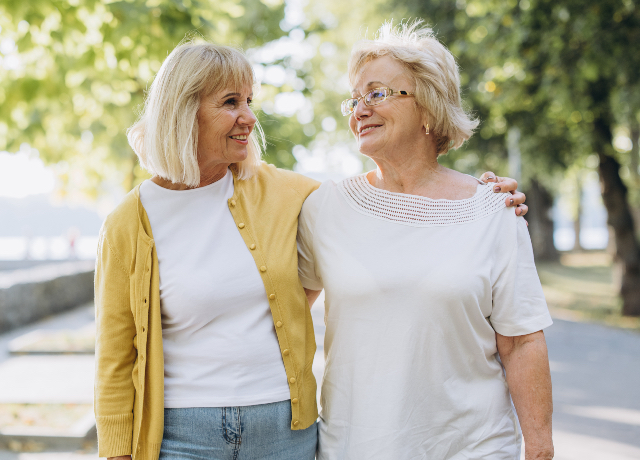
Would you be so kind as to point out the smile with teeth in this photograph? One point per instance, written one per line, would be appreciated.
(368, 129)
(240, 137)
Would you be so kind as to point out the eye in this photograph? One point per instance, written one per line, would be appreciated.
(231, 101)
(249, 101)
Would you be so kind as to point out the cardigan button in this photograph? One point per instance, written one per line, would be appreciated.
(279, 324)
(292, 380)
(252, 247)
(272, 296)
(296, 423)
(232, 203)
(294, 400)
(240, 225)
(285, 352)
(263, 269)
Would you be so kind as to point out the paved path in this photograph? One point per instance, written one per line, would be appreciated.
(595, 371)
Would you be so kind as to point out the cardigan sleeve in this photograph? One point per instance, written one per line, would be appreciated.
(115, 354)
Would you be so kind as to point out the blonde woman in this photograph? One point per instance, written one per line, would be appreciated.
(204, 340)
(194, 269)
(431, 289)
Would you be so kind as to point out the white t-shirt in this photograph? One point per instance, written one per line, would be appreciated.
(220, 346)
(415, 290)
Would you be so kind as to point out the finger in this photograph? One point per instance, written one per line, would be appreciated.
(488, 177)
(515, 199)
(521, 210)
(505, 184)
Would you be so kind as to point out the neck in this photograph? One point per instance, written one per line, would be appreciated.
(412, 175)
(207, 177)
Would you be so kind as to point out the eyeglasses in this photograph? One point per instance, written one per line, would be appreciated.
(373, 97)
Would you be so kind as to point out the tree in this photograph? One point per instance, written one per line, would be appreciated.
(74, 70)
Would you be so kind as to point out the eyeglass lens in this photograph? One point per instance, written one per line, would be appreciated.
(373, 97)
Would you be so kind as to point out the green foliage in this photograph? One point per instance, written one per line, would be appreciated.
(83, 65)
(537, 65)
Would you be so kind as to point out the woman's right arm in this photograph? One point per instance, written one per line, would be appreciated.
(115, 353)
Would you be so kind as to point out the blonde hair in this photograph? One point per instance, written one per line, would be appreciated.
(435, 72)
(165, 137)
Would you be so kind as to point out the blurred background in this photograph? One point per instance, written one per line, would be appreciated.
(555, 83)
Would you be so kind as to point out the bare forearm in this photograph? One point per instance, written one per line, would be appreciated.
(527, 367)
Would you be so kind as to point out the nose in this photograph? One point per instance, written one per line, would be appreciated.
(361, 110)
(247, 117)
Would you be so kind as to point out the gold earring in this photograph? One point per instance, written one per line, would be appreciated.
(427, 128)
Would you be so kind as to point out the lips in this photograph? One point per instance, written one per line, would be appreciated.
(367, 129)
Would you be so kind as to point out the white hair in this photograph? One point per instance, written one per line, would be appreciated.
(165, 137)
(434, 71)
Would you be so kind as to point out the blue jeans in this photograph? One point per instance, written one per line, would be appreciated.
(261, 432)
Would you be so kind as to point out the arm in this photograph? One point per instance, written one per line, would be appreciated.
(506, 184)
(527, 367)
(115, 355)
(312, 296)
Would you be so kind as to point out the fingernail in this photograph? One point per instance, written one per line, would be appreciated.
(491, 177)
(511, 202)
(496, 189)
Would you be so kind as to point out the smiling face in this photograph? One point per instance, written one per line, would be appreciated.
(395, 125)
(225, 120)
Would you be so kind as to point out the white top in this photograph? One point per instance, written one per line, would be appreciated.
(220, 346)
(415, 290)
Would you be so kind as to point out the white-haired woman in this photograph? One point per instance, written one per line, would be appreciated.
(204, 338)
(434, 310)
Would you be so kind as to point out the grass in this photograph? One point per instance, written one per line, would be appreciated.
(582, 287)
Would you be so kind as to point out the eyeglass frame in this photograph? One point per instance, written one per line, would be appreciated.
(391, 93)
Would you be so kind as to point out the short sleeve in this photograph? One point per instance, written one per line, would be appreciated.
(519, 306)
(305, 239)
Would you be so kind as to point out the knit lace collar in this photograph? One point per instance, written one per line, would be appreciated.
(418, 211)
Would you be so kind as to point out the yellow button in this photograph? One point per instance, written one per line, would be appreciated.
(240, 225)
(292, 380)
(296, 423)
(272, 296)
(279, 324)
(294, 400)
(232, 202)
(252, 247)
(263, 269)
(285, 352)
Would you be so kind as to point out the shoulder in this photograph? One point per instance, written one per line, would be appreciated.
(123, 223)
(461, 185)
(270, 176)
(321, 193)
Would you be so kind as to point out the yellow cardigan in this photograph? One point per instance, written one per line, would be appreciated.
(129, 384)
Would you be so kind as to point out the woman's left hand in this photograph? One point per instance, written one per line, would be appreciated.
(506, 184)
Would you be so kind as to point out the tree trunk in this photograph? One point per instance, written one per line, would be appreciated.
(577, 247)
(614, 195)
(634, 155)
(540, 202)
